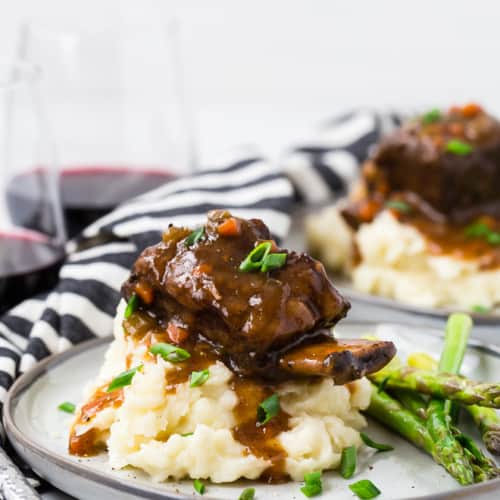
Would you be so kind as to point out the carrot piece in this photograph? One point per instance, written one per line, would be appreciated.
(177, 334)
(470, 110)
(145, 292)
(230, 227)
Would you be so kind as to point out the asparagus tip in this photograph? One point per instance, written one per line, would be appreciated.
(491, 439)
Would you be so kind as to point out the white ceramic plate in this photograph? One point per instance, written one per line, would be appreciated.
(39, 433)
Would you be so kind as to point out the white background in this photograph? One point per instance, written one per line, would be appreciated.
(266, 72)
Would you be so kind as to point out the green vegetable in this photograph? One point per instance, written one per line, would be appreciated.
(434, 115)
(364, 489)
(67, 407)
(480, 309)
(313, 484)
(348, 462)
(268, 409)
(131, 306)
(482, 230)
(273, 261)
(255, 258)
(372, 444)
(199, 486)
(170, 352)
(247, 494)
(493, 238)
(124, 379)
(457, 147)
(195, 236)
(399, 206)
(199, 378)
(187, 434)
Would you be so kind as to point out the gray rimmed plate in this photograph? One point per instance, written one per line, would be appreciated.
(38, 431)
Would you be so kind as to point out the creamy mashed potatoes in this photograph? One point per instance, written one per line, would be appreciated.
(151, 430)
(395, 262)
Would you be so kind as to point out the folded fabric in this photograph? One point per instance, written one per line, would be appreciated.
(83, 304)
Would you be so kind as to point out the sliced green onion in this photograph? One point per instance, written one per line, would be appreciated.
(199, 378)
(199, 486)
(372, 444)
(457, 147)
(399, 206)
(124, 379)
(431, 116)
(477, 230)
(348, 462)
(247, 494)
(364, 489)
(170, 352)
(255, 258)
(478, 308)
(382, 385)
(493, 238)
(268, 409)
(187, 434)
(273, 261)
(132, 304)
(313, 484)
(67, 407)
(195, 236)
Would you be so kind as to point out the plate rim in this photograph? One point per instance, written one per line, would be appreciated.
(44, 366)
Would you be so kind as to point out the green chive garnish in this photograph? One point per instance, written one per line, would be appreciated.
(348, 462)
(195, 236)
(273, 261)
(131, 305)
(382, 385)
(268, 409)
(431, 116)
(170, 352)
(399, 206)
(482, 230)
(364, 489)
(313, 484)
(199, 378)
(125, 378)
(458, 147)
(256, 257)
(247, 494)
(199, 486)
(187, 434)
(372, 444)
(478, 308)
(67, 407)
(493, 238)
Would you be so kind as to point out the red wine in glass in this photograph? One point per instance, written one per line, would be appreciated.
(29, 264)
(87, 193)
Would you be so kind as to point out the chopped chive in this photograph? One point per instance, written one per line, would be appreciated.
(255, 258)
(195, 236)
(268, 409)
(67, 407)
(273, 261)
(372, 444)
(132, 304)
(247, 494)
(348, 462)
(478, 308)
(382, 385)
(199, 486)
(123, 379)
(431, 116)
(170, 352)
(187, 434)
(457, 147)
(199, 378)
(493, 238)
(313, 485)
(399, 206)
(477, 230)
(364, 489)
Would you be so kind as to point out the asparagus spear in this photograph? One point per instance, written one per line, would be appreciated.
(390, 413)
(486, 419)
(458, 329)
(412, 401)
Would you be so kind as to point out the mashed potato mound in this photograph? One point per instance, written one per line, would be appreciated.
(146, 431)
(396, 263)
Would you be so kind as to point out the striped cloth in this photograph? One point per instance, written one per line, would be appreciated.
(83, 304)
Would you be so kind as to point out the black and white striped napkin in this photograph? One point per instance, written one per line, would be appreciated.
(83, 304)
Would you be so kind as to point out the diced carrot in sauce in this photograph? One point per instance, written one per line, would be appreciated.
(145, 292)
(230, 227)
(470, 110)
(177, 334)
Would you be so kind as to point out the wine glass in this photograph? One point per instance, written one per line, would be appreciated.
(32, 233)
(117, 109)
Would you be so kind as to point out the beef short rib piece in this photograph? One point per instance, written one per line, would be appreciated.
(198, 289)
